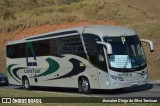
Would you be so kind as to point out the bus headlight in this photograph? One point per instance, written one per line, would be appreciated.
(116, 78)
(143, 75)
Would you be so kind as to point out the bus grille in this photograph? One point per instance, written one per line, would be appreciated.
(131, 78)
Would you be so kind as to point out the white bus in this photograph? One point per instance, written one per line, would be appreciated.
(87, 57)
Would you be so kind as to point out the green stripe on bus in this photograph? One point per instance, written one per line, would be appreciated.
(9, 71)
(53, 67)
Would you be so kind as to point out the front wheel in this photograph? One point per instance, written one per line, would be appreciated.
(26, 84)
(85, 85)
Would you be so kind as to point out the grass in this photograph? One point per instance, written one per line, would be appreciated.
(26, 13)
(18, 16)
(24, 93)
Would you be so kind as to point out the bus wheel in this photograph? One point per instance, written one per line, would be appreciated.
(85, 85)
(26, 84)
(79, 86)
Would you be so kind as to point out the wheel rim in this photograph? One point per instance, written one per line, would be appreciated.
(26, 84)
(85, 85)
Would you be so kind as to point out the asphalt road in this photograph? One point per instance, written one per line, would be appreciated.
(148, 90)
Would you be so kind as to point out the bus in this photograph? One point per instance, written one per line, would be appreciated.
(85, 57)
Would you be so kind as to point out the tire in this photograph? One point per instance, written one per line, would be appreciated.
(26, 84)
(79, 86)
(85, 85)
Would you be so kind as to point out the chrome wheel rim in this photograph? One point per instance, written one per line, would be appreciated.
(26, 84)
(85, 85)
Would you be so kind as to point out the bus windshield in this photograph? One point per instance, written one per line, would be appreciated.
(128, 54)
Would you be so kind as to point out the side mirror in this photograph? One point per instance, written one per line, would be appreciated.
(150, 44)
(108, 46)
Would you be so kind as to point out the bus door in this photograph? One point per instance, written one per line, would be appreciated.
(31, 61)
(102, 67)
(30, 55)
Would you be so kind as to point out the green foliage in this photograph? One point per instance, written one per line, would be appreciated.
(15, 14)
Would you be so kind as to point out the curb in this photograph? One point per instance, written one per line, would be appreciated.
(154, 82)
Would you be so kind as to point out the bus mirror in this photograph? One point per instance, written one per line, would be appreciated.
(108, 46)
(150, 44)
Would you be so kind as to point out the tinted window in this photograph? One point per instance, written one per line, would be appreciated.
(41, 48)
(20, 50)
(55, 47)
(95, 51)
(30, 49)
(16, 51)
(10, 51)
(67, 45)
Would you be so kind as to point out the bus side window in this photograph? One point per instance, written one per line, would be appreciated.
(101, 56)
(101, 61)
(30, 53)
(95, 51)
(67, 45)
(10, 51)
(20, 50)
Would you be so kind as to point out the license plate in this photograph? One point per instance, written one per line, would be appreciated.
(134, 83)
(2, 81)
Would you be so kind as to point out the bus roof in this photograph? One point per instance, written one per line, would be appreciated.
(101, 29)
(113, 30)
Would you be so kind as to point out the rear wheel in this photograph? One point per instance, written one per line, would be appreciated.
(85, 85)
(26, 84)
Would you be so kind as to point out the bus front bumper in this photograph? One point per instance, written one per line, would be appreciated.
(114, 84)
